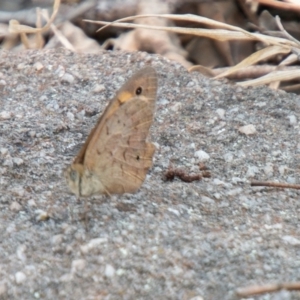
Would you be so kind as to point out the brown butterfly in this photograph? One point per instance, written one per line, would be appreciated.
(116, 157)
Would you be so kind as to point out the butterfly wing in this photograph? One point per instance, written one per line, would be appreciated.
(117, 152)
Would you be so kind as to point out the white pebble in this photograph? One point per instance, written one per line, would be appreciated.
(38, 66)
(70, 116)
(247, 129)
(20, 277)
(292, 119)
(41, 215)
(68, 78)
(31, 202)
(98, 88)
(21, 252)
(3, 151)
(94, 243)
(57, 239)
(208, 200)
(290, 240)
(196, 298)
(252, 170)
(202, 155)
(174, 211)
(5, 115)
(268, 169)
(228, 157)
(78, 265)
(109, 271)
(15, 206)
(18, 161)
(221, 113)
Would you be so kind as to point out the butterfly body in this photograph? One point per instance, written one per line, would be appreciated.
(116, 156)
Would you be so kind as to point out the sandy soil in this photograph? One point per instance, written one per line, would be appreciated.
(170, 240)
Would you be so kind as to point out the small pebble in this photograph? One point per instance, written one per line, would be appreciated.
(202, 156)
(269, 169)
(3, 151)
(94, 243)
(57, 239)
(109, 271)
(20, 277)
(247, 129)
(221, 113)
(18, 161)
(38, 66)
(68, 78)
(78, 265)
(66, 278)
(252, 170)
(292, 119)
(41, 215)
(21, 252)
(70, 116)
(5, 115)
(290, 240)
(15, 206)
(98, 88)
(174, 211)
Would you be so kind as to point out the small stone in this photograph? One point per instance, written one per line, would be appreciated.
(94, 243)
(66, 278)
(252, 170)
(109, 271)
(196, 298)
(217, 181)
(70, 116)
(38, 66)
(174, 211)
(57, 239)
(68, 78)
(32, 133)
(20, 277)
(21, 252)
(3, 151)
(31, 202)
(78, 265)
(282, 170)
(290, 240)
(292, 119)
(8, 162)
(248, 129)
(98, 88)
(2, 82)
(221, 113)
(5, 115)
(176, 106)
(41, 215)
(208, 200)
(18, 161)
(163, 101)
(228, 157)
(202, 156)
(269, 170)
(15, 206)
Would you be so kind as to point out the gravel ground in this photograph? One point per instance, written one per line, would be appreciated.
(170, 240)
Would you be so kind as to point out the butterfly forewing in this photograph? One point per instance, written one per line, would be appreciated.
(117, 152)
